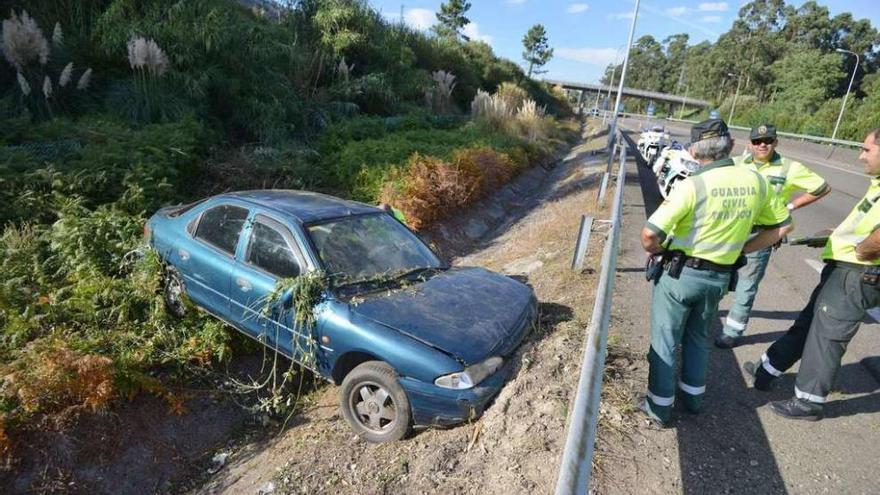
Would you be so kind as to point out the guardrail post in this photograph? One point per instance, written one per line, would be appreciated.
(603, 188)
(583, 241)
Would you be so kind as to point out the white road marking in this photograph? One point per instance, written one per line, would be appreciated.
(818, 164)
(817, 265)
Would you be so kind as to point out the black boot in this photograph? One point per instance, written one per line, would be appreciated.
(725, 341)
(798, 409)
(761, 380)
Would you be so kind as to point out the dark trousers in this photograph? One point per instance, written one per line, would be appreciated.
(788, 349)
(840, 307)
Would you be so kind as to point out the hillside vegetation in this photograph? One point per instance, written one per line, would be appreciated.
(110, 109)
(783, 59)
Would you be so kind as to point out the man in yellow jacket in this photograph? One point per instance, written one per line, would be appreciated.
(849, 286)
(786, 177)
(699, 233)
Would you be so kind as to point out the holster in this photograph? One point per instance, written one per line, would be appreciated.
(734, 275)
(871, 275)
(671, 261)
(654, 267)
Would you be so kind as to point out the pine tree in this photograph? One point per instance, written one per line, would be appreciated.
(452, 19)
(537, 49)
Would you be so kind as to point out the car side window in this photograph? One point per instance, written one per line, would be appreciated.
(270, 251)
(221, 225)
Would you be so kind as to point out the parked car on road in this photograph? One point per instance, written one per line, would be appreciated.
(410, 340)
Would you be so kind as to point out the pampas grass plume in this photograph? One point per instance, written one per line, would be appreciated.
(47, 87)
(84, 79)
(23, 84)
(146, 54)
(23, 41)
(66, 74)
(57, 35)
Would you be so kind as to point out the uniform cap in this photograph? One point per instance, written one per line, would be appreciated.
(710, 128)
(763, 131)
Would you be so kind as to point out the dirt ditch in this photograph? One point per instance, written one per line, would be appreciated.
(526, 230)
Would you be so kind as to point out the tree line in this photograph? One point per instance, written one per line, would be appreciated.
(785, 60)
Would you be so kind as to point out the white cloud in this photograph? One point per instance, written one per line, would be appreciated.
(677, 11)
(712, 7)
(621, 15)
(593, 56)
(577, 8)
(420, 18)
(472, 31)
(710, 18)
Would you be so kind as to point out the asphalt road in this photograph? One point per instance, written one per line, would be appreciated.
(737, 444)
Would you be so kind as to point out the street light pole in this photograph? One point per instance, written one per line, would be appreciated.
(735, 96)
(632, 30)
(681, 112)
(843, 106)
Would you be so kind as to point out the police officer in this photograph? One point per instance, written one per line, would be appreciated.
(701, 229)
(786, 177)
(849, 286)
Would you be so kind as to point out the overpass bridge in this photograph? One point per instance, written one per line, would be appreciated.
(638, 93)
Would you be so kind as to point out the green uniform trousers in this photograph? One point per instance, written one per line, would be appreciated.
(746, 290)
(682, 310)
(840, 307)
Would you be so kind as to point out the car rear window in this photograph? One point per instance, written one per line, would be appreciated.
(271, 252)
(221, 225)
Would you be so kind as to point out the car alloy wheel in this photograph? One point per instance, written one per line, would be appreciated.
(374, 407)
(174, 294)
(374, 403)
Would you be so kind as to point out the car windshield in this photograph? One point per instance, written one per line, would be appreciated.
(370, 248)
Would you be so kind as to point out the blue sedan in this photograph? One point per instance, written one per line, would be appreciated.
(410, 340)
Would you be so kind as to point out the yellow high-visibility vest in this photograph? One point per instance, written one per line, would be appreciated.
(786, 176)
(710, 214)
(861, 222)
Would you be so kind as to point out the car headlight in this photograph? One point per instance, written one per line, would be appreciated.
(471, 376)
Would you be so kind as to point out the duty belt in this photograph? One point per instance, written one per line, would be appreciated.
(701, 264)
(856, 267)
(870, 273)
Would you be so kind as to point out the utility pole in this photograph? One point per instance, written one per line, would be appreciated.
(632, 30)
(735, 96)
(681, 112)
(843, 106)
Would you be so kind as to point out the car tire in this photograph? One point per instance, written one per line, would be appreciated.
(174, 294)
(374, 404)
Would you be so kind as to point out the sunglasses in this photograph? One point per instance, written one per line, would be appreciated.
(767, 141)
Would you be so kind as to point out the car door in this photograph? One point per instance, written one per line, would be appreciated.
(204, 263)
(270, 254)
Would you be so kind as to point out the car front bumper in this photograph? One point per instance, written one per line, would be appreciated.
(437, 406)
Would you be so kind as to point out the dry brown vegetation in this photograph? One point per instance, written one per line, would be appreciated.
(429, 189)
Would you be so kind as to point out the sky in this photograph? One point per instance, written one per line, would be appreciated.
(588, 35)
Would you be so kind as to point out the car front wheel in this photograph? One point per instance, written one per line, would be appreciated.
(374, 403)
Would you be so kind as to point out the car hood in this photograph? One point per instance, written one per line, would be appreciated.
(469, 313)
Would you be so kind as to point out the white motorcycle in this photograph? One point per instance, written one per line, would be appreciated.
(673, 165)
(651, 141)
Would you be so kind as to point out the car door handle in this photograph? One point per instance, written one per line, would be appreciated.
(243, 284)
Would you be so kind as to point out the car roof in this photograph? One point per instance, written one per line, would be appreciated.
(305, 206)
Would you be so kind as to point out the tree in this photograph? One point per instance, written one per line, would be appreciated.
(538, 51)
(452, 19)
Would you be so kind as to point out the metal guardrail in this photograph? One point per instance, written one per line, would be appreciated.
(802, 137)
(577, 458)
